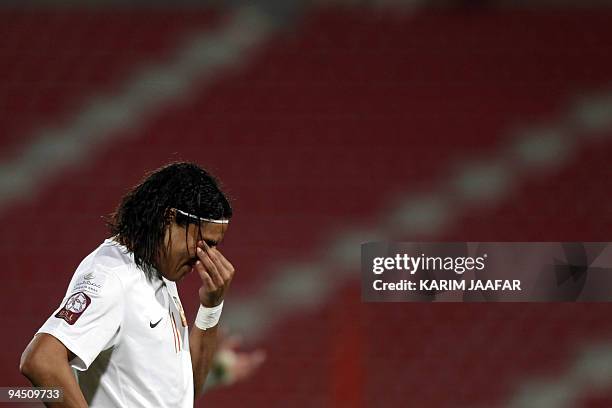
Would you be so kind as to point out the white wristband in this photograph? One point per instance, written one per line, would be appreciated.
(208, 317)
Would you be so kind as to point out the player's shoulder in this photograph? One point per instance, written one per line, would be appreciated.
(109, 268)
(112, 256)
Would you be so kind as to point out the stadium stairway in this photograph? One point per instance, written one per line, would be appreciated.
(54, 61)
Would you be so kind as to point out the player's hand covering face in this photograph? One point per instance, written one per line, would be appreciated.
(179, 255)
(216, 273)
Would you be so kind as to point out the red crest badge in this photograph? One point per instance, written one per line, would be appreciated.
(74, 307)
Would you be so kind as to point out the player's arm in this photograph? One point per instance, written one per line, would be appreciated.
(202, 345)
(45, 362)
(216, 273)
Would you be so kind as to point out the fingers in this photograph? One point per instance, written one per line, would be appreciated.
(223, 260)
(223, 266)
(206, 266)
(216, 273)
(207, 281)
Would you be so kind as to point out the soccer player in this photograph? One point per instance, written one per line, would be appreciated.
(121, 324)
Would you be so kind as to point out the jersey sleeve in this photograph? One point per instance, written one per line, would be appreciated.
(90, 315)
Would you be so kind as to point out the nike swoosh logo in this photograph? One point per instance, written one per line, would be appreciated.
(155, 324)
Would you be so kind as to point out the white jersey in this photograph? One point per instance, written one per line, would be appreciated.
(129, 334)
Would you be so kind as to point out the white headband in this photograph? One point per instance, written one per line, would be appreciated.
(202, 219)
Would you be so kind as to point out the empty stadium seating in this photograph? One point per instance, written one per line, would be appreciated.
(55, 61)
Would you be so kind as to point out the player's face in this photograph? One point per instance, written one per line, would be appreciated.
(180, 242)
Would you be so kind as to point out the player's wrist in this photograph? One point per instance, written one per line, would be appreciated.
(208, 317)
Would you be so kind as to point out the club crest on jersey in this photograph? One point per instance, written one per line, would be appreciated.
(74, 307)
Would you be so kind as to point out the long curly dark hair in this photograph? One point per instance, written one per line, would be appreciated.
(140, 220)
